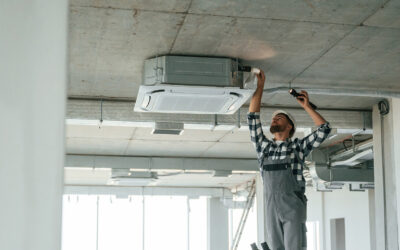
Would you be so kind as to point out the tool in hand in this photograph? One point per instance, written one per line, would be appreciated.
(297, 95)
(249, 69)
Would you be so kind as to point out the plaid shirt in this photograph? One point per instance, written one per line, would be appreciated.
(269, 148)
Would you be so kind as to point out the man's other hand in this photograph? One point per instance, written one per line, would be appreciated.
(303, 100)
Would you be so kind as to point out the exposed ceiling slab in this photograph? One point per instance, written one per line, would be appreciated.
(365, 59)
(308, 43)
(388, 16)
(107, 48)
(322, 11)
(154, 5)
(281, 48)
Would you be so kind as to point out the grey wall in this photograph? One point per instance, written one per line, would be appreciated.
(32, 107)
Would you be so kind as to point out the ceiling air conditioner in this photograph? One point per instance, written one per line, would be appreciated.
(195, 85)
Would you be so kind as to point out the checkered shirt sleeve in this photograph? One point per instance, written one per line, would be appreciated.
(305, 145)
(257, 136)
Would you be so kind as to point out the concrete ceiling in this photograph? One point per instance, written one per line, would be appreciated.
(310, 43)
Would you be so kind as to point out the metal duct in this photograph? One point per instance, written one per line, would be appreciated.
(364, 174)
(356, 159)
(339, 92)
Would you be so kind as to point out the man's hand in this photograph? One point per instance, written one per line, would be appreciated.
(255, 102)
(303, 100)
(261, 79)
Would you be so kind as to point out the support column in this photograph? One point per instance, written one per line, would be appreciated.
(395, 105)
(33, 48)
(217, 225)
(387, 175)
(261, 231)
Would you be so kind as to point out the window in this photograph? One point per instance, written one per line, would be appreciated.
(120, 223)
(104, 222)
(166, 222)
(249, 234)
(313, 242)
(79, 231)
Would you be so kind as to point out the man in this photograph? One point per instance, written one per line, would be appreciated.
(281, 164)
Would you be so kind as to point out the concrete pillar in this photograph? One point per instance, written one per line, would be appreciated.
(372, 226)
(261, 230)
(387, 175)
(33, 48)
(217, 225)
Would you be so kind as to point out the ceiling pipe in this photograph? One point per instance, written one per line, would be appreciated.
(354, 160)
(339, 92)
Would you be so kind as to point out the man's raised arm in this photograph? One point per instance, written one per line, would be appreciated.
(255, 102)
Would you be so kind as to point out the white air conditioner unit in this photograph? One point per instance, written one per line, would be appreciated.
(195, 85)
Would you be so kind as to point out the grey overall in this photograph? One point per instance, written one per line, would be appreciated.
(285, 206)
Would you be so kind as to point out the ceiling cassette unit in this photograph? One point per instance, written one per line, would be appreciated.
(194, 85)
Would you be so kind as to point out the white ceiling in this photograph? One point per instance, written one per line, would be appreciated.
(138, 141)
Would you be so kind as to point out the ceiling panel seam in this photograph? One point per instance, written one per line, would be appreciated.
(337, 42)
(207, 149)
(380, 7)
(180, 26)
(129, 142)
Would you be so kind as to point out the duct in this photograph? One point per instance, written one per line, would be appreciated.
(339, 92)
(364, 174)
(356, 159)
(119, 113)
(161, 163)
(345, 153)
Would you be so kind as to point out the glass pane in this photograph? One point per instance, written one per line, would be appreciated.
(120, 223)
(79, 222)
(165, 222)
(313, 235)
(249, 234)
(198, 224)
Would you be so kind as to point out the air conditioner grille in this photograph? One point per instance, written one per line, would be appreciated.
(191, 103)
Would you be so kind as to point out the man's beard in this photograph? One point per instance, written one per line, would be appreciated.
(276, 129)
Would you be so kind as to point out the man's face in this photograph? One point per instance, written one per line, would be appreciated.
(279, 123)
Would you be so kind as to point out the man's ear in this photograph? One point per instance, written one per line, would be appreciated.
(290, 125)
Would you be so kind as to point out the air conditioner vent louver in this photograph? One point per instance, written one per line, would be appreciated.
(196, 85)
(188, 103)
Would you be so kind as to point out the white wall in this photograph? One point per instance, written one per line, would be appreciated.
(33, 39)
(352, 206)
(386, 175)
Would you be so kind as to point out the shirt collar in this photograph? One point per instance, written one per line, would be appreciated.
(287, 140)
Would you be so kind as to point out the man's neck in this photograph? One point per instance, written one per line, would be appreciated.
(280, 136)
